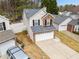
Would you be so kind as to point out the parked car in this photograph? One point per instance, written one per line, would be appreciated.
(16, 53)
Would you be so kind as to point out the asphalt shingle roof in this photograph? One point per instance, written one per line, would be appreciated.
(6, 35)
(30, 12)
(42, 29)
(59, 19)
(74, 22)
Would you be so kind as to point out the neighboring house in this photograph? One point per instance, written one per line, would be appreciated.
(65, 13)
(7, 40)
(39, 24)
(60, 22)
(73, 26)
(74, 15)
(4, 23)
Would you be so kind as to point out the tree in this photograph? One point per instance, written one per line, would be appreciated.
(13, 9)
(67, 7)
(7, 8)
(61, 8)
(51, 6)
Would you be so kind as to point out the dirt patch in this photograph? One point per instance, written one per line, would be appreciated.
(31, 48)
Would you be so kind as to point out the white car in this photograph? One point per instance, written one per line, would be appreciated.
(16, 53)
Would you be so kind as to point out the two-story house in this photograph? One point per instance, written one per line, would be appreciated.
(39, 24)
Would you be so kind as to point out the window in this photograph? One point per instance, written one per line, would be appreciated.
(36, 22)
(51, 22)
(48, 22)
(1, 27)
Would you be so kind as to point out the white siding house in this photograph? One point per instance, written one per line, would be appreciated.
(61, 22)
(73, 26)
(64, 24)
(4, 23)
(35, 22)
(7, 40)
(65, 13)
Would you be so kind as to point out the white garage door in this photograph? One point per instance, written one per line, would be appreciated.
(44, 36)
(62, 27)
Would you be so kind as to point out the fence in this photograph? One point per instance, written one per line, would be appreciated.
(18, 27)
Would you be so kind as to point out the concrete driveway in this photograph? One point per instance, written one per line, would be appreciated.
(57, 50)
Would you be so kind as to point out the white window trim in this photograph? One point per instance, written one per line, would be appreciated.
(48, 22)
(36, 22)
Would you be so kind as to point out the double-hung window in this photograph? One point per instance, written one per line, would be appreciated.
(36, 22)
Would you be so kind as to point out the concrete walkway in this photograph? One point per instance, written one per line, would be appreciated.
(57, 50)
(72, 35)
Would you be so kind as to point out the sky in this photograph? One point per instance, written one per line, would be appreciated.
(63, 2)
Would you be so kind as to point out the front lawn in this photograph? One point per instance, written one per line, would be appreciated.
(68, 41)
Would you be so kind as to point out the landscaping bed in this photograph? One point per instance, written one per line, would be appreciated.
(30, 47)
